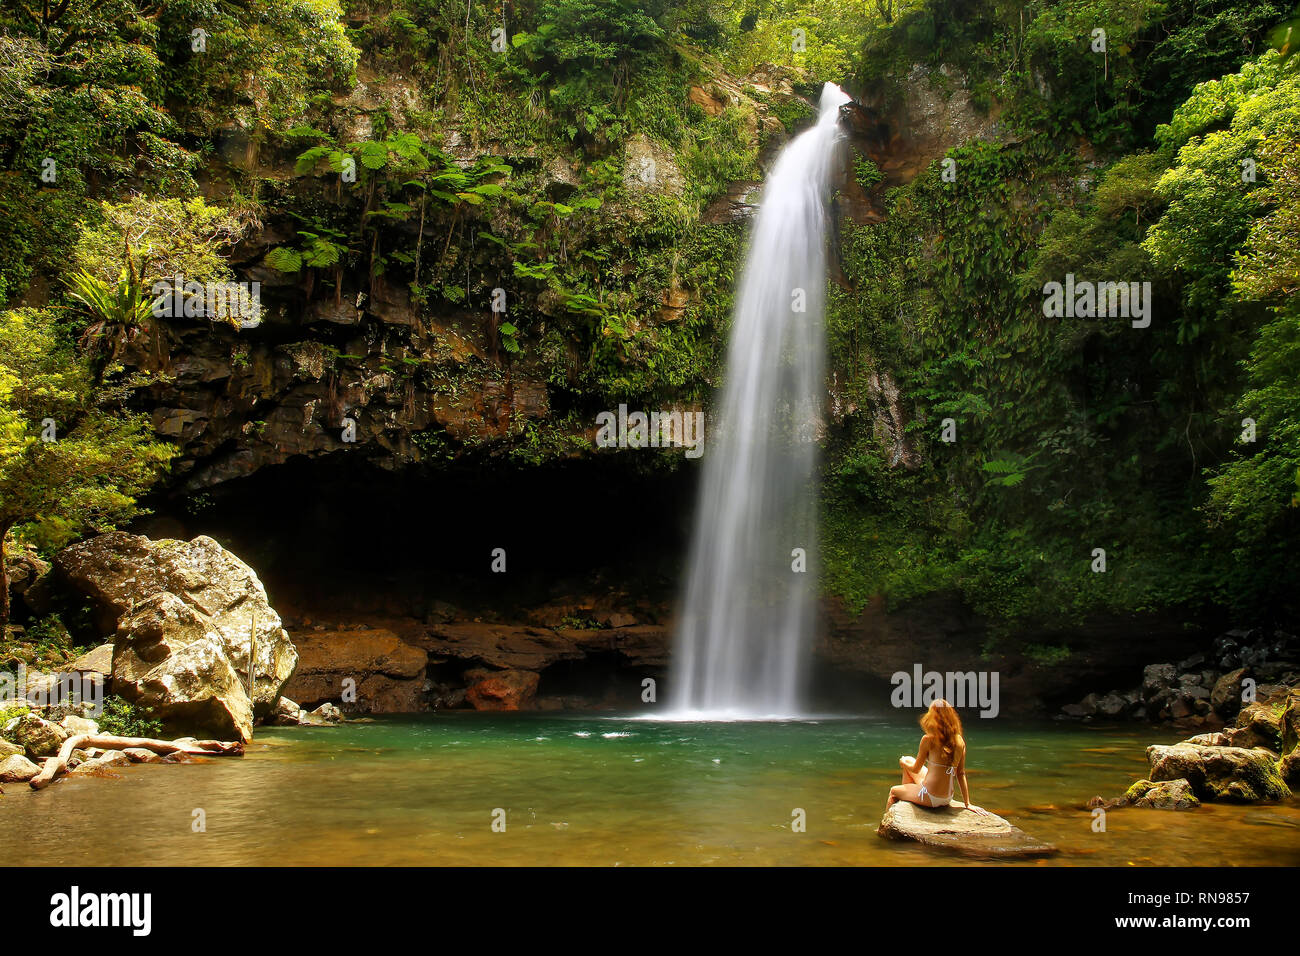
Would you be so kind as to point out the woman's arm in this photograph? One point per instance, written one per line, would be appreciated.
(965, 787)
(919, 760)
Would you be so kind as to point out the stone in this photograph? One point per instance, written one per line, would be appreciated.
(1290, 721)
(1112, 705)
(1232, 774)
(326, 713)
(1264, 722)
(387, 673)
(142, 755)
(17, 769)
(285, 713)
(75, 725)
(36, 735)
(8, 748)
(956, 829)
(183, 612)
(1157, 677)
(1288, 769)
(99, 660)
(170, 661)
(650, 167)
(1213, 739)
(1162, 795)
(501, 690)
(1076, 711)
(103, 765)
(1225, 698)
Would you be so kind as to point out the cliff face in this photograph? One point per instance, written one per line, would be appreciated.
(355, 378)
(348, 361)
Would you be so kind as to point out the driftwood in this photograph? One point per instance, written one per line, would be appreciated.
(54, 766)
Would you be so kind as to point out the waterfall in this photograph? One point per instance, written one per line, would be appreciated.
(744, 629)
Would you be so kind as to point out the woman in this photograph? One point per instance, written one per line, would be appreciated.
(932, 784)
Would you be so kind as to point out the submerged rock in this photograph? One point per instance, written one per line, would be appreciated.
(1232, 774)
(954, 828)
(184, 613)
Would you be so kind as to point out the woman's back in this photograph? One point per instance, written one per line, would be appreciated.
(941, 769)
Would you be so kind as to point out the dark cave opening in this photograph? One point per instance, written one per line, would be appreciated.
(338, 537)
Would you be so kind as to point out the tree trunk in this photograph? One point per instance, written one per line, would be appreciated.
(54, 766)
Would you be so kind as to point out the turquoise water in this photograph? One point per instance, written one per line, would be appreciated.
(612, 791)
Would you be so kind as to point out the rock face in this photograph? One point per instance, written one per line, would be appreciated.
(501, 690)
(387, 673)
(184, 614)
(1232, 774)
(954, 828)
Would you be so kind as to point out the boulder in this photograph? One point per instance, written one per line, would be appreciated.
(74, 725)
(169, 660)
(501, 690)
(1290, 721)
(285, 713)
(1162, 795)
(1263, 723)
(957, 829)
(36, 735)
(386, 672)
(9, 748)
(183, 612)
(17, 769)
(1288, 768)
(99, 660)
(326, 713)
(1157, 677)
(1232, 774)
(1112, 705)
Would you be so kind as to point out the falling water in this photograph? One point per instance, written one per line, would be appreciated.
(744, 629)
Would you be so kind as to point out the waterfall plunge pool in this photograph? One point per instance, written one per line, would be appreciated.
(609, 791)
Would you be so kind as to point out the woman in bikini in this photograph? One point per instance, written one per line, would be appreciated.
(928, 778)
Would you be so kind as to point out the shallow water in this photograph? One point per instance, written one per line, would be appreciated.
(610, 791)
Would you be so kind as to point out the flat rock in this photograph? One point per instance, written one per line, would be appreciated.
(953, 828)
(98, 660)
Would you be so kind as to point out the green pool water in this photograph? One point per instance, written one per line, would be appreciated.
(613, 791)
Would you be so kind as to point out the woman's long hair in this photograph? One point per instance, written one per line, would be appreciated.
(942, 723)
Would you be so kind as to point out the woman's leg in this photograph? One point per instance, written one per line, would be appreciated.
(905, 791)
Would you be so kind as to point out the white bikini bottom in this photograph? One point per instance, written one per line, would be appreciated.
(933, 801)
